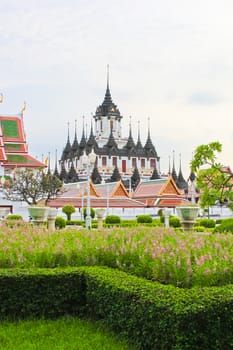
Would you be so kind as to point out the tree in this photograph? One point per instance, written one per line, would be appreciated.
(214, 180)
(32, 186)
(68, 210)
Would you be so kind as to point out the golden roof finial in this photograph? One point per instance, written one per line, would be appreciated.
(24, 108)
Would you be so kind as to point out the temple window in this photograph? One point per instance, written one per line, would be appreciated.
(104, 161)
(134, 162)
(114, 161)
(143, 163)
(152, 163)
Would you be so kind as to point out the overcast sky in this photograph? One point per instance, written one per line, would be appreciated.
(170, 60)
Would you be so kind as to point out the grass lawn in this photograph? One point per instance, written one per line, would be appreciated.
(62, 334)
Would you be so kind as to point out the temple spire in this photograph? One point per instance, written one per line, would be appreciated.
(108, 76)
(56, 173)
(174, 175)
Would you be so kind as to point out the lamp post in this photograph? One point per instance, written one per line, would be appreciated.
(88, 162)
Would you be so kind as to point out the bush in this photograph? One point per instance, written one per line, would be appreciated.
(68, 210)
(14, 217)
(60, 222)
(174, 221)
(144, 219)
(85, 213)
(199, 228)
(209, 223)
(225, 226)
(74, 222)
(112, 219)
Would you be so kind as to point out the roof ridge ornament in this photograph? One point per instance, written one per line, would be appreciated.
(23, 108)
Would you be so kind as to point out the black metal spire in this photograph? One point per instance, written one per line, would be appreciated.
(74, 147)
(174, 175)
(67, 150)
(130, 143)
(82, 144)
(149, 147)
(181, 183)
(155, 174)
(135, 178)
(139, 147)
(56, 173)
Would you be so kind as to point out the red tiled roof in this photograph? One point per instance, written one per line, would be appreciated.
(96, 202)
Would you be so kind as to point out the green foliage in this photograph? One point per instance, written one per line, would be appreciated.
(205, 222)
(174, 221)
(200, 228)
(215, 181)
(143, 218)
(85, 213)
(160, 212)
(14, 217)
(74, 222)
(144, 312)
(41, 293)
(68, 210)
(225, 226)
(33, 186)
(112, 219)
(60, 222)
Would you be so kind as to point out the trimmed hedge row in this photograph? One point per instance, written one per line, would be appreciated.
(150, 315)
(41, 293)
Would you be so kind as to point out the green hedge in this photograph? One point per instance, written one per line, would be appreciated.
(155, 316)
(150, 315)
(41, 293)
(205, 222)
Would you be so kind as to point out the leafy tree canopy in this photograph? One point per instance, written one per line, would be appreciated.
(32, 186)
(214, 180)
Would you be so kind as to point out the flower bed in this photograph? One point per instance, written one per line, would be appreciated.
(158, 254)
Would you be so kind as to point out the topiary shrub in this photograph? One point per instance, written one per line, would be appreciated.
(68, 210)
(112, 219)
(225, 226)
(174, 221)
(144, 219)
(60, 222)
(209, 223)
(85, 213)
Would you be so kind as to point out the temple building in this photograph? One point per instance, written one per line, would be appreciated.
(117, 154)
(13, 145)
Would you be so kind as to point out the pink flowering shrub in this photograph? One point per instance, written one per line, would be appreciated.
(156, 253)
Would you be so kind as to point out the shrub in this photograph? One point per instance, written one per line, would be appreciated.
(74, 222)
(60, 222)
(199, 228)
(205, 222)
(113, 219)
(225, 226)
(68, 210)
(144, 219)
(174, 221)
(14, 217)
(85, 213)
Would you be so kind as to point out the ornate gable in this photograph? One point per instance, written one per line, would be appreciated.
(119, 191)
(170, 187)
